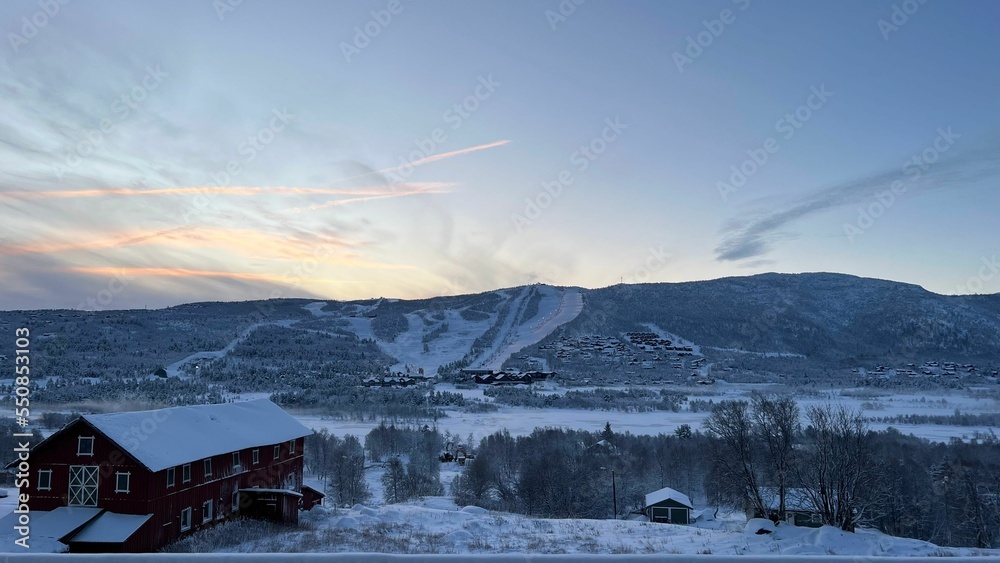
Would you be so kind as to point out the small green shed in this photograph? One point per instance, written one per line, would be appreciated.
(668, 506)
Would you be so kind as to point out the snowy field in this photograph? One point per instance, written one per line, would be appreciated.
(523, 420)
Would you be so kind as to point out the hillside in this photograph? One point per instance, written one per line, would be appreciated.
(770, 323)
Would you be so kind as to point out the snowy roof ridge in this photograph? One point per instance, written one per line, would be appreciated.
(668, 493)
(174, 436)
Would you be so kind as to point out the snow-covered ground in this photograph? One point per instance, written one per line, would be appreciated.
(436, 525)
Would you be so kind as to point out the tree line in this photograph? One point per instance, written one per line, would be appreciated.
(761, 456)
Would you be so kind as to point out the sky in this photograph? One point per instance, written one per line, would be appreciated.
(157, 153)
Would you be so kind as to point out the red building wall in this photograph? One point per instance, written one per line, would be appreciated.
(149, 493)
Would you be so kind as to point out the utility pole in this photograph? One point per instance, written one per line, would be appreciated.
(614, 494)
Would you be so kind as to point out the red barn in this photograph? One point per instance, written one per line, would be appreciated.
(135, 481)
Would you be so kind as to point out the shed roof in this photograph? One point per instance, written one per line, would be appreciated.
(111, 527)
(62, 521)
(174, 436)
(666, 493)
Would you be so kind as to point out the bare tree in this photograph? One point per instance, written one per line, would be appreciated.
(839, 474)
(737, 458)
(777, 422)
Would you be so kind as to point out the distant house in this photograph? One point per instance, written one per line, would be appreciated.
(135, 481)
(668, 506)
(799, 509)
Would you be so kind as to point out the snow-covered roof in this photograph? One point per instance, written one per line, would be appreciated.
(111, 527)
(667, 493)
(278, 491)
(168, 437)
(59, 522)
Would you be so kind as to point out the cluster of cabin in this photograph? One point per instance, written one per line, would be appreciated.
(929, 369)
(502, 377)
(650, 341)
(587, 347)
(395, 381)
(636, 351)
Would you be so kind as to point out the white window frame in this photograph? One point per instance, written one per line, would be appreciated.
(171, 477)
(48, 474)
(291, 447)
(206, 509)
(255, 456)
(236, 500)
(79, 445)
(87, 486)
(128, 482)
(208, 467)
(186, 512)
(277, 451)
(236, 461)
(186, 473)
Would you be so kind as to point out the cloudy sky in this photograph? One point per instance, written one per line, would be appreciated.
(154, 153)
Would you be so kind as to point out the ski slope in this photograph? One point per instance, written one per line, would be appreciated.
(557, 307)
(176, 369)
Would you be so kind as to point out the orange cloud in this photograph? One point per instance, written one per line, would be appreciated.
(245, 243)
(233, 191)
(189, 273)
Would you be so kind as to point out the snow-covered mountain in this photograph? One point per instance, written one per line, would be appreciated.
(821, 321)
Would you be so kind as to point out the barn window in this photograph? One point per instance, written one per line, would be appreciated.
(83, 485)
(206, 511)
(85, 445)
(186, 472)
(122, 482)
(236, 461)
(236, 500)
(208, 467)
(186, 519)
(291, 447)
(171, 477)
(256, 456)
(277, 452)
(45, 480)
